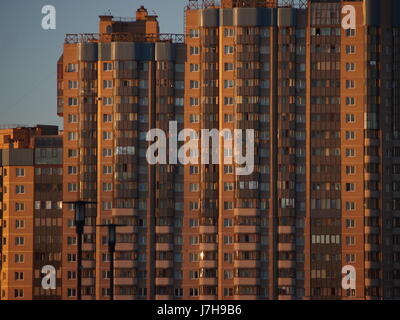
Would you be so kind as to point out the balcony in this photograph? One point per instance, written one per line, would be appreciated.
(286, 264)
(246, 282)
(124, 264)
(286, 282)
(125, 281)
(286, 246)
(164, 281)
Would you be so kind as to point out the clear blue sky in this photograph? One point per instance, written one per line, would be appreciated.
(29, 54)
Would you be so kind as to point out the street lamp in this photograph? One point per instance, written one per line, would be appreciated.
(112, 240)
(80, 215)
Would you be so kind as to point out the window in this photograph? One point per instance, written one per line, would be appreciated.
(107, 66)
(193, 223)
(72, 153)
(194, 33)
(350, 101)
(194, 102)
(72, 101)
(194, 118)
(350, 118)
(107, 170)
(228, 66)
(194, 187)
(229, 84)
(72, 187)
(72, 84)
(20, 224)
(350, 223)
(350, 84)
(72, 67)
(350, 187)
(350, 258)
(228, 49)
(19, 241)
(143, 84)
(19, 206)
(107, 135)
(18, 293)
(107, 101)
(350, 170)
(194, 67)
(350, 135)
(350, 153)
(350, 206)
(179, 85)
(194, 50)
(194, 84)
(72, 170)
(228, 117)
(179, 67)
(71, 292)
(350, 32)
(19, 258)
(19, 276)
(72, 118)
(228, 101)
(228, 205)
(350, 240)
(193, 206)
(72, 136)
(107, 152)
(228, 223)
(350, 66)
(107, 84)
(350, 49)
(20, 172)
(229, 32)
(71, 257)
(19, 189)
(107, 186)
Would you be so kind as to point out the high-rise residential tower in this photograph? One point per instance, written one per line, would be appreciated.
(323, 196)
(30, 211)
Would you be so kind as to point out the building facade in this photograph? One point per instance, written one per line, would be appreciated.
(31, 211)
(322, 101)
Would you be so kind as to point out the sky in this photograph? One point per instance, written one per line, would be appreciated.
(29, 54)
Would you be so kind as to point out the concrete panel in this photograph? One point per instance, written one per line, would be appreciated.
(226, 17)
(267, 16)
(209, 17)
(17, 157)
(123, 51)
(246, 17)
(371, 13)
(144, 51)
(286, 17)
(104, 51)
(396, 13)
(165, 52)
(88, 51)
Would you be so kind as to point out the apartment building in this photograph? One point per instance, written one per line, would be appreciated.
(31, 215)
(322, 101)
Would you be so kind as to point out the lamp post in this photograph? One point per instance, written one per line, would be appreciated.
(80, 215)
(112, 240)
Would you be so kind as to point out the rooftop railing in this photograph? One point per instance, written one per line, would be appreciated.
(124, 37)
